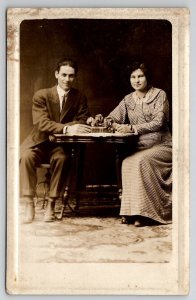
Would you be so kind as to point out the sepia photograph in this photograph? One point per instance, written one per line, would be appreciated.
(98, 151)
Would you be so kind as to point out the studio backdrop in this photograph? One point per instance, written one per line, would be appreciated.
(103, 50)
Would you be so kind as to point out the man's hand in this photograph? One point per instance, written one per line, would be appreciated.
(123, 128)
(90, 121)
(78, 128)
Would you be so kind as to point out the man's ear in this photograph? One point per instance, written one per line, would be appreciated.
(56, 74)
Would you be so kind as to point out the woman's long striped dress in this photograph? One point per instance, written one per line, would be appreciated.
(147, 173)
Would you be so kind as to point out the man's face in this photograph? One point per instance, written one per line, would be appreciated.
(65, 77)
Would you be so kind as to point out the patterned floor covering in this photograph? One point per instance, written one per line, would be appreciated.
(92, 238)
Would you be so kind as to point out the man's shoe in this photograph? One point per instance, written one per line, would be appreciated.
(49, 213)
(29, 210)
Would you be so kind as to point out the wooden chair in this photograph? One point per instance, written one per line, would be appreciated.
(45, 184)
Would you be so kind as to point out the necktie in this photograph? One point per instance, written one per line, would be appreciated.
(63, 103)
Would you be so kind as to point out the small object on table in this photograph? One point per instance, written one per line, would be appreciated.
(98, 124)
(99, 129)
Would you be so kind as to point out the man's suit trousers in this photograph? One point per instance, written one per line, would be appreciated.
(46, 152)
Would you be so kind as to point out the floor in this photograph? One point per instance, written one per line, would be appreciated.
(82, 252)
(94, 235)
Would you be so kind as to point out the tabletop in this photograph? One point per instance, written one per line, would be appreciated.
(93, 137)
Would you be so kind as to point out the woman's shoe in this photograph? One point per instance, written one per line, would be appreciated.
(138, 223)
(124, 220)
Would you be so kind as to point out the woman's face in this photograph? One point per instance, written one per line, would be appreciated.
(138, 80)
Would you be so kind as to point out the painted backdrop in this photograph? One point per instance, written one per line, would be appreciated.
(103, 49)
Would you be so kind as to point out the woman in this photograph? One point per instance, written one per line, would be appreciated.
(147, 173)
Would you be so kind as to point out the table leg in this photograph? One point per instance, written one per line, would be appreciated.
(118, 172)
(64, 204)
(70, 180)
(79, 173)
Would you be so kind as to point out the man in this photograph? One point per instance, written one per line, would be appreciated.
(60, 109)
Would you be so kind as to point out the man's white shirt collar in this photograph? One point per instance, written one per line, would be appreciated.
(61, 94)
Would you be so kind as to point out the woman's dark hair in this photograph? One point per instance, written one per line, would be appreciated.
(65, 61)
(145, 69)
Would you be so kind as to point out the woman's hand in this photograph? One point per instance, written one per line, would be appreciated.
(123, 128)
(108, 122)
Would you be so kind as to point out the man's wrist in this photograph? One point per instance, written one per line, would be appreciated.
(65, 129)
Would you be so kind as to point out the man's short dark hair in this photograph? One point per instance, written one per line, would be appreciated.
(65, 61)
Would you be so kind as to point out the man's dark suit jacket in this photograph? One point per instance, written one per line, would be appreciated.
(47, 118)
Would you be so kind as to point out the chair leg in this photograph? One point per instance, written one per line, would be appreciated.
(46, 187)
(45, 195)
(65, 198)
